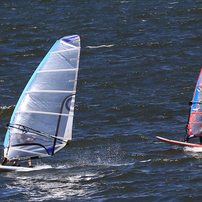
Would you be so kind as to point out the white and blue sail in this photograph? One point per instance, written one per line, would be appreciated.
(42, 121)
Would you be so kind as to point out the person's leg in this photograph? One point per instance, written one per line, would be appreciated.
(15, 163)
(4, 161)
(30, 163)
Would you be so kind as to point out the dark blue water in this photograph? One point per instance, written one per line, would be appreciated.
(138, 68)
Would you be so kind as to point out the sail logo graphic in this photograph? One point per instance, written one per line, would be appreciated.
(68, 103)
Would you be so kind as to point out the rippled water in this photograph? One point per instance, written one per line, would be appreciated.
(139, 64)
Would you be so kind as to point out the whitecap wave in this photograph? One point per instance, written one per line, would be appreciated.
(4, 108)
(193, 149)
(101, 46)
(42, 167)
(145, 161)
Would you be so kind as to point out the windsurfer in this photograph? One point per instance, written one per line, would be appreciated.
(15, 163)
(187, 139)
(22, 139)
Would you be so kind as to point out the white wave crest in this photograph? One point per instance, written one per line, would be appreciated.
(6, 107)
(3, 108)
(193, 149)
(101, 46)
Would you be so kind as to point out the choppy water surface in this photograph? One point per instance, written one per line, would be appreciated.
(139, 64)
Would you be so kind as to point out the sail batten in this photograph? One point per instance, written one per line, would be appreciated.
(57, 70)
(50, 91)
(40, 112)
(70, 45)
(62, 51)
(42, 121)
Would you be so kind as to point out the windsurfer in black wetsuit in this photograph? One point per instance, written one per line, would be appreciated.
(15, 163)
(187, 139)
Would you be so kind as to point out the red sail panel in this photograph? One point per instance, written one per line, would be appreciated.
(194, 128)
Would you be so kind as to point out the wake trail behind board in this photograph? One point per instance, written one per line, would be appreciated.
(22, 169)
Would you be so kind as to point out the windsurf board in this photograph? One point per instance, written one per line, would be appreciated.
(178, 142)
